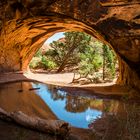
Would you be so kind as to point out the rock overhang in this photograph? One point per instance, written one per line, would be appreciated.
(26, 24)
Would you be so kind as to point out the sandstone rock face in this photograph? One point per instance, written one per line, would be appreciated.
(25, 25)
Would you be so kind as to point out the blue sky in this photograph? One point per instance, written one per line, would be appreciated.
(55, 37)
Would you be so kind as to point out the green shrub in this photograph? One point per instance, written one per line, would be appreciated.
(34, 64)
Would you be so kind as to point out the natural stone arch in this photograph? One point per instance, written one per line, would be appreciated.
(46, 29)
(118, 22)
(34, 33)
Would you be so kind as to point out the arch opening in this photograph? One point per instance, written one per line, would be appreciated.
(38, 31)
(34, 33)
(77, 54)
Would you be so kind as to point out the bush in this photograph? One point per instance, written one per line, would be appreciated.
(34, 64)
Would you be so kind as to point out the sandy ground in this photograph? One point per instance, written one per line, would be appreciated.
(65, 80)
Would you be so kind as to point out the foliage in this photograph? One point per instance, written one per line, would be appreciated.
(65, 52)
(110, 61)
(42, 63)
(93, 59)
(34, 64)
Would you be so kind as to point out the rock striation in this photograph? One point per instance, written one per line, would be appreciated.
(25, 25)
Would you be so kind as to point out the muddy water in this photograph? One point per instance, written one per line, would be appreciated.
(77, 108)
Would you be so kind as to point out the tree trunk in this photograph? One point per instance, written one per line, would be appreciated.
(66, 58)
(71, 49)
(103, 63)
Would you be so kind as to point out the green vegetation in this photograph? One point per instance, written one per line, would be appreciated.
(80, 53)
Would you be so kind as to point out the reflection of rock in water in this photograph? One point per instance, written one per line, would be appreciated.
(81, 104)
(25, 101)
(55, 93)
(76, 104)
(125, 125)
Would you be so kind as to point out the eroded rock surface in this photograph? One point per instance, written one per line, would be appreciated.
(25, 25)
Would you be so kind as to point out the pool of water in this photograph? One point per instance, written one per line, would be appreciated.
(52, 102)
(73, 109)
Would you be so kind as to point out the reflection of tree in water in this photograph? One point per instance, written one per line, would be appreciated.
(119, 120)
(73, 103)
(80, 104)
(56, 94)
(123, 125)
(76, 104)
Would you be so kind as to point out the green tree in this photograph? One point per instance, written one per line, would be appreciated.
(109, 62)
(66, 53)
(93, 59)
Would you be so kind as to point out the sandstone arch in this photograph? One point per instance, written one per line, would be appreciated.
(26, 24)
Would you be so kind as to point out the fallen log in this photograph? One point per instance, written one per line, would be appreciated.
(4, 115)
(55, 127)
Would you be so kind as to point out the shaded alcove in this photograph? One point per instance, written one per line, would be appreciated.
(42, 31)
(34, 33)
(25, 25)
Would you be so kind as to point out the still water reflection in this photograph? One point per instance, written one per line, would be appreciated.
(73, 109)
(51, 102)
